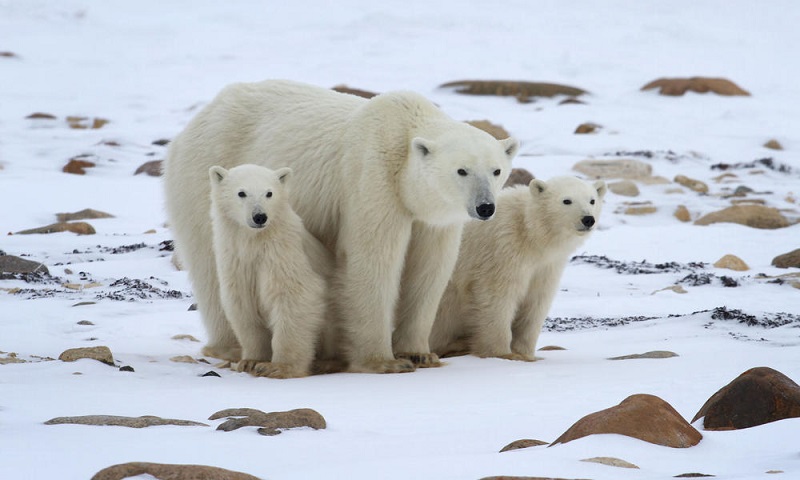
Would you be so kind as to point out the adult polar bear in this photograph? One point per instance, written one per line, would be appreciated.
(386, 184)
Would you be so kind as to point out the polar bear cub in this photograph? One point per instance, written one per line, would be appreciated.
(271, 270)
(509, 268)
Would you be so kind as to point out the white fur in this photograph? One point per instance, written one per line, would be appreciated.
(509, 268)
(376, 181)
(272, 295)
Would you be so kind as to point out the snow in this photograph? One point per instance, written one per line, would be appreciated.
(147, 66)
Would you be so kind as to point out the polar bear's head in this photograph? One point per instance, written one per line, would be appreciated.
(248, 194)
(455, 175)
(569, 203)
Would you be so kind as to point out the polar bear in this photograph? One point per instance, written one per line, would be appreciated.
(271, 271)
(509, 269)
(385, 183)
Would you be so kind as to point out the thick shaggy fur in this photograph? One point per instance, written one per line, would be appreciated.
(509, 269)
(386, 184)
(271, 271)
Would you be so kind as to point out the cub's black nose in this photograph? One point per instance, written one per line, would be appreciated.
(485, 210)
(588, 221)
(260, 218)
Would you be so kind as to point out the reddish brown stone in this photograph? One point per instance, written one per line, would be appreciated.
(77, 166)
(790, 259)
(354, 91)
(641, 416)
(163, 471)
(758, 396)
(676, 87)
(154, 168)
(519, 176)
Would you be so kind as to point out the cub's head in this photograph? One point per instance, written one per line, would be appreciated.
(571, 203)
(248, 194)
(454, 175)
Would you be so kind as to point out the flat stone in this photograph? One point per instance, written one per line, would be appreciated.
(625, 188)
(271, 423)
(100, 353)
(524, 443)
(551, 348)
(185, 336)
(118, 421)
(163, 471)
(640, 210)
(492, 129)
(786, 260)
(353, 91)
(519, 176)
(86, 213)
(183, 359)
(12, 264)
(691, 184)
(732, 262)
(153, 168)
(523, 91)
(652, 354)
(631, 169)
(81, 228)
(755, 216)
(676, 87)
(610, 461)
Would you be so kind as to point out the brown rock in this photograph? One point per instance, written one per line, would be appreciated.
(77, 166)
(773, 145)
(622, 168)
(641, 416)
(588, 127)
(163, 471)
(524, 443)
(519, 176)
(117, 421)
(678, 86)
(610, 461)
(12, 264)
(732, 262)
(154, 168)
(572, 101)
(523, 91)
(682, 214)
(496, 131)
(185, 336)
(788, 260)
(8, 54)
(81, 228)
(551, 348)
(691, 184)
(758, 396)
(86, 213)
(101, 354)
(82, 123)
(354, 91)
(41, 116)
(755, 216)
(653, 354)
(640, 210)
(11, 358)
(272, 422)
(625, 188)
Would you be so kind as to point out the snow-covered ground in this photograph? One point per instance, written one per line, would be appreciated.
(147, 66)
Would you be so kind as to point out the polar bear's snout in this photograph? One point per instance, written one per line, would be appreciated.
(259, 219)
(485, 210)
(588, 221)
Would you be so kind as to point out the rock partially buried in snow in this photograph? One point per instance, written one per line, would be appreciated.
(524, 443)
(81, 228)
(787, 260)
(101, 354)
(272, 423)
(118, 421)
(12, 264)
(496, 131)
(153, 168)
(691, 184)
(164, 471)
(523, 91)
(77, 166)
(622, 168)
(519, 176)
(758, 396)
(641, 416)
(682, 214)
(755, 216)
(86, 213)
(773, 144)
(610, 461)
(675, 87)
(732, 262)
(625, 188)
(652, 354)
(586, 128)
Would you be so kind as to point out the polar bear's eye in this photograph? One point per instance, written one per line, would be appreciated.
(462, 172)
(269, 195)
(567, 201)
(242, 194)
(591, 201)
(497, 173)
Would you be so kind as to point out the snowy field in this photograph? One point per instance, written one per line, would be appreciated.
(147, 66)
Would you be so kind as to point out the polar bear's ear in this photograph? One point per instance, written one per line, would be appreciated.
(601, 188)
(537, 186)
(510, 146)
(217, 174)
(283, 174)
(421, 146)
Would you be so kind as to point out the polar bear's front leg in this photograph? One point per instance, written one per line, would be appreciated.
(533, 311)
(250, 328)
(430, 259)
(365, 288)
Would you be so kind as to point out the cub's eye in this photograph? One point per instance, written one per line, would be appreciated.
(269, 195)
(567, 201)
(242, 194)
(462, 172)
(497, 173)
(591, 201)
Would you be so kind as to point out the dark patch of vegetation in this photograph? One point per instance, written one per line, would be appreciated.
(636, 268)
(132, 289)
(768, 163)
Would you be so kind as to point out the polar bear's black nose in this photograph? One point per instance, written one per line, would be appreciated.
(588, 221)
(260, 218)
(485, 210)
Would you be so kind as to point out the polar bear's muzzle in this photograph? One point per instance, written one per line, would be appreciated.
(587, 222)
(258, 220)
(484, 211)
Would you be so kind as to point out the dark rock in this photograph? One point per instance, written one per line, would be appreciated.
(117, 421)
(523, 91)
(193, 307)
(787, 260)
(676, 87)
(271, 423)
(41, 116)
(519, 176)
(86, 213)
(154, 168)
(693, 475)
(162, 142)
(126, 368)
(211, 373)
(755, 216)
(81, 228)
(163, 471)
(12, 264)
(85, 323)
(758, 396)
(354, 91)
(641, 416)
(524, 443)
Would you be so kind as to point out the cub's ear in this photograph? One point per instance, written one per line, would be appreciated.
(510, 146)
(601, 188)
(217, 174)
(283, 174)
(421, 146)
(537, 186)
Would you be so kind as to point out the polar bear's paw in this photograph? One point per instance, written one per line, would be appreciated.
(514, 356)
(278, 370)
(400, 365)
(421, 360)
(247, 365)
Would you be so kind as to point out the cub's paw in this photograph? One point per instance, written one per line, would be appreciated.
(247, 365)
(421, 360)
(515, 356)
(400, 365)
(278, 370)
